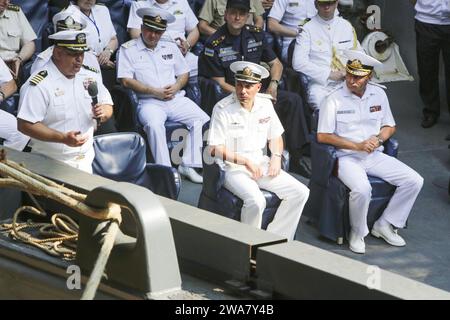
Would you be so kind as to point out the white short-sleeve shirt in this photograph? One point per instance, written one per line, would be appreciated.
(185, 19)
(64, 105)
(100, 28)
(244, 132)
(356, 119)
(290, 13)
(433, 11)
(157, 68)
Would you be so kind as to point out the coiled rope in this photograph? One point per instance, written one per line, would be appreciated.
(62, 229)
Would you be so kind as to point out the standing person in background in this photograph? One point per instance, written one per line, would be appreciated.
(432, 24)
(16, 38)
(8, 123)
(55, 107)
(212, 16)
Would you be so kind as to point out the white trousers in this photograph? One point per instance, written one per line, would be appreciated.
(153, 113)
(8, 130)
(353, 171)
(293, 195)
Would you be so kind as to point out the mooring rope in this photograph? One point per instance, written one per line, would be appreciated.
(61, 234)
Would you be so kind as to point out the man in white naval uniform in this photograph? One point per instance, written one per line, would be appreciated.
(157, 71)
(67, 19)
(318, 50)
(241, 126)
(55, 108)
(357, 119)
(8, 123)
(183, 31)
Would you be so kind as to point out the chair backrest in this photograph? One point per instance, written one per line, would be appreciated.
(120, 157)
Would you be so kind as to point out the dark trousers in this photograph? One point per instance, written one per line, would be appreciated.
(290, 110)
(431, 40)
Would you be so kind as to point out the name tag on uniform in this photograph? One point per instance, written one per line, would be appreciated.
(167, 56)
(344, 41)
(235, 125)
(264, 120)
(375, 108)
(293, 4)
(345, 112)
(59, 92)
(254, 44)
(227, 51)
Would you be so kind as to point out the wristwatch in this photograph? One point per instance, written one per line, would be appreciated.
(276, 81)
(277, 155)
(380, 141)
(110, 50)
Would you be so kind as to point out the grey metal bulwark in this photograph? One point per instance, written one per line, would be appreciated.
(145, 264)
(296, 270)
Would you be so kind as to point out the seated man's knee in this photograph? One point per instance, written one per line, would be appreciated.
(256, 201)
(415, 181)
(362, 190)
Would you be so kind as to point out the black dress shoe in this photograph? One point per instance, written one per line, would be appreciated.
(300, 167)
(447, 137)
(429, 121)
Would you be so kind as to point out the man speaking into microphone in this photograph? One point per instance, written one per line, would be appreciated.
(61, 104)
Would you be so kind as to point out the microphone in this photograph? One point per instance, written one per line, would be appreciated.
(93, 92)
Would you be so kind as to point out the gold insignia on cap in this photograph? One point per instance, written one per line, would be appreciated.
(356, 64)
(69, 21)
(158, 19)
(81, 38)
(247, 71)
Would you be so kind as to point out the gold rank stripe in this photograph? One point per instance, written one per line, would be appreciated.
(72, 45)
(154, 23)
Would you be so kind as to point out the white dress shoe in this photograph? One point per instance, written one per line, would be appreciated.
(388, 234)
(356, 243)
(190, 173)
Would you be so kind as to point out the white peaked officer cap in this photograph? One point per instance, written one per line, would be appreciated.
(70, 39)
(359, 63)
(155, 18)
(248, 71)
(69, 19)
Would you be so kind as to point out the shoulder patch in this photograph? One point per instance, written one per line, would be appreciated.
(129, 43)
(13, 7)
(228, 100)
(253, 28)
(90, 68)
(218, 41)
(378, 85)
(209, 52)
(38, 77)
(303, 22)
